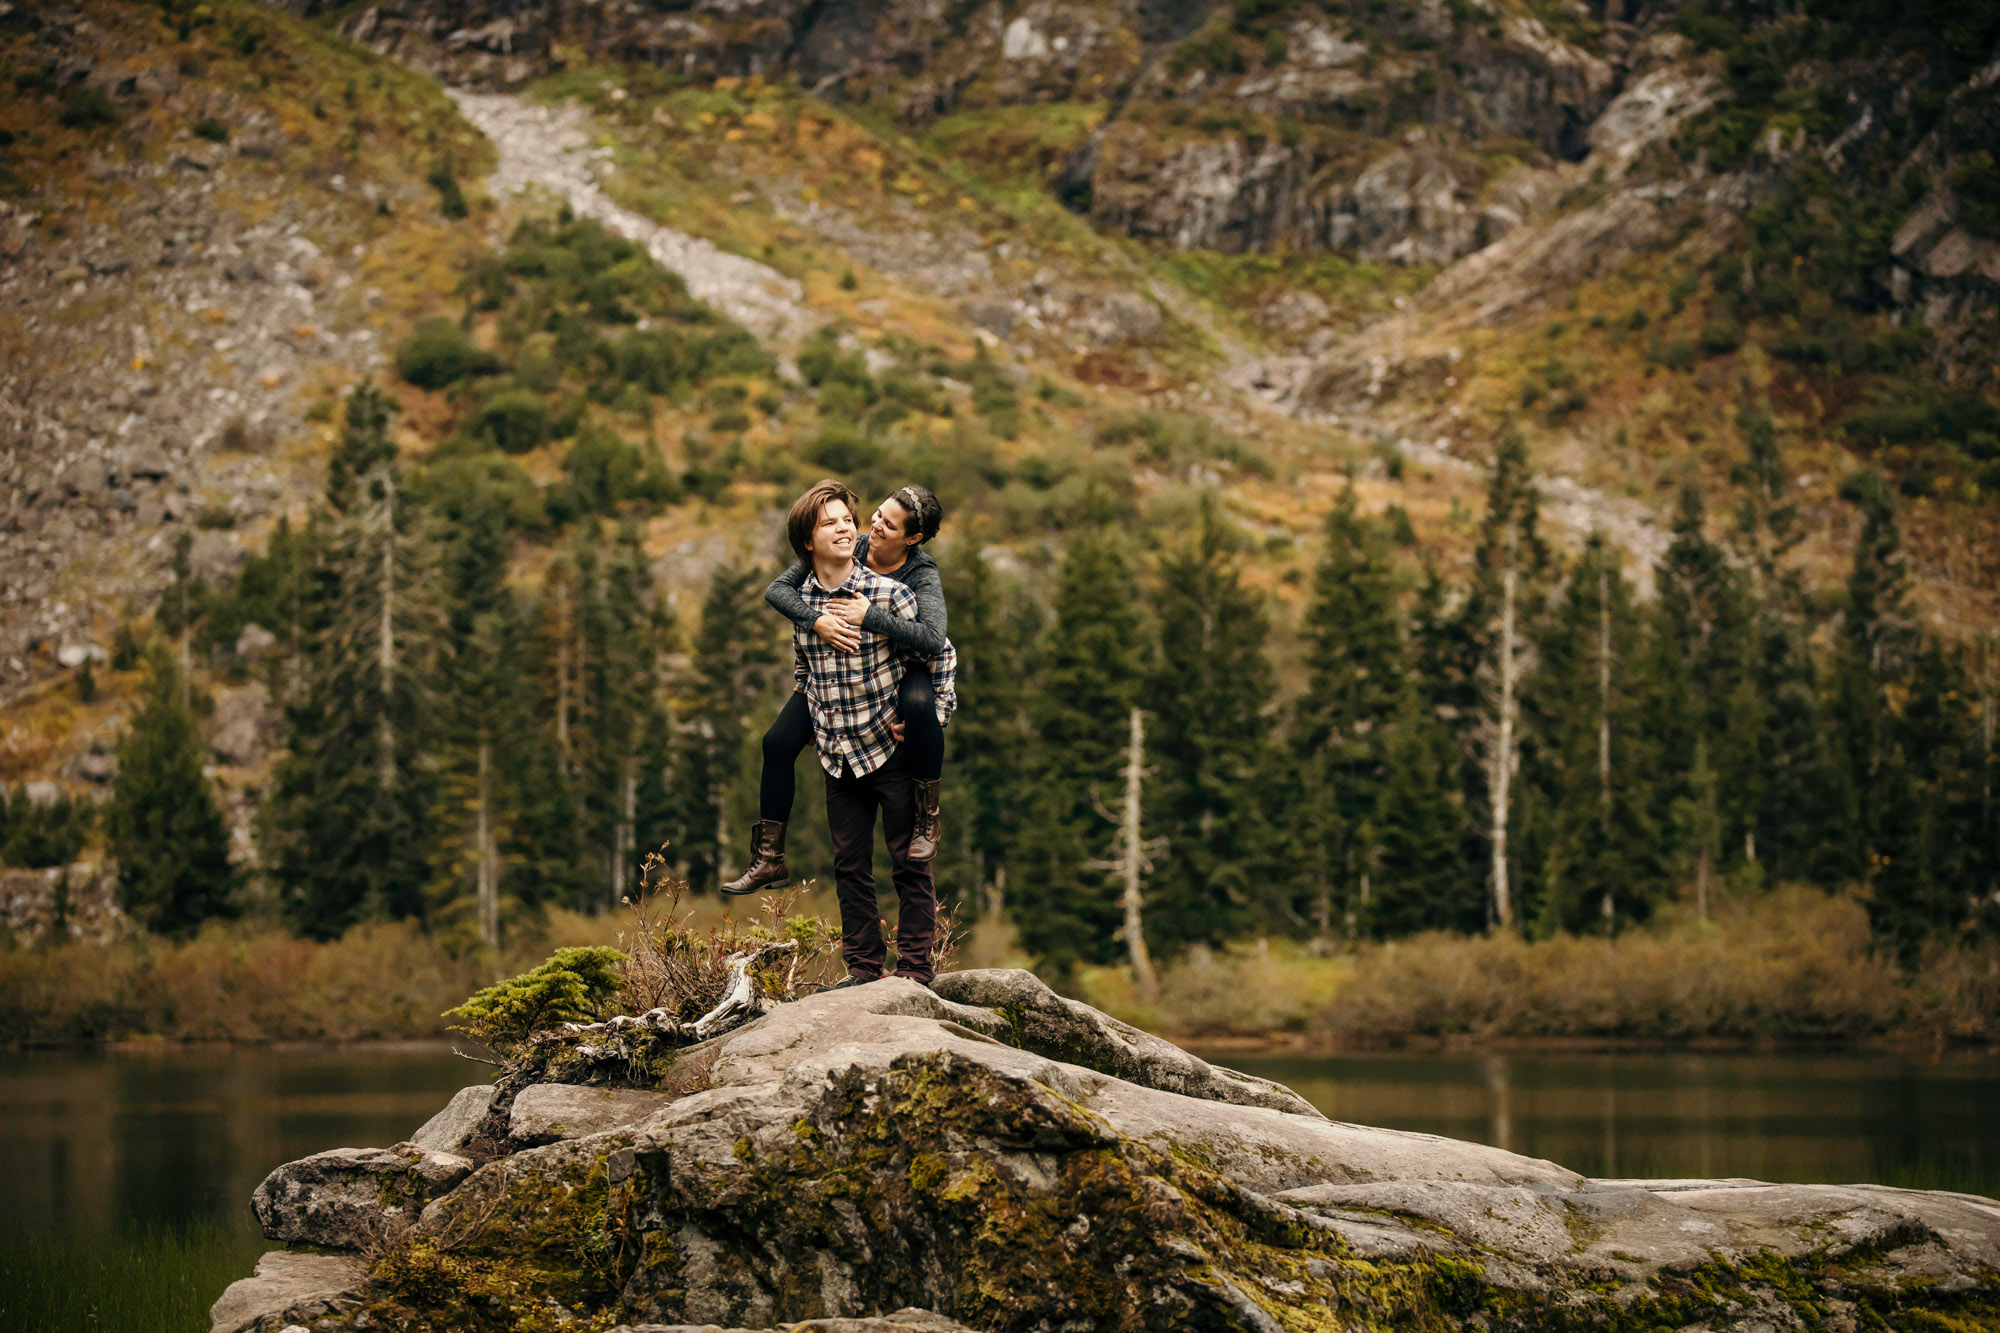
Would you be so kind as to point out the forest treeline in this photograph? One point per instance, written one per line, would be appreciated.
(1530, 747)
(1535, 749)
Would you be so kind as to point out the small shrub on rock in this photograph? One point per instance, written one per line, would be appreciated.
(575, 985)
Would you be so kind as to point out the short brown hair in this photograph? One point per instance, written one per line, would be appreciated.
(799, 524)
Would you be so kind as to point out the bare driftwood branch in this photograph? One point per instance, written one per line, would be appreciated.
(741, 1001)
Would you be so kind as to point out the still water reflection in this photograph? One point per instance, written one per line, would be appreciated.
(102, 1140)
(1888, 1119)
(110, 1140)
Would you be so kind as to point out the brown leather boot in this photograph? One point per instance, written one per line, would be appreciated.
(767, 860)
(929, 831)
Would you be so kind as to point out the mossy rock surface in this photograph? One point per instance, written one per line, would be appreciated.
(886, 1149)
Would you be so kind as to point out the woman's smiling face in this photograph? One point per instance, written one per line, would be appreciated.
(890, 526)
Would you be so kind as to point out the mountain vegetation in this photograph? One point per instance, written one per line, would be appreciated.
(1550, 493)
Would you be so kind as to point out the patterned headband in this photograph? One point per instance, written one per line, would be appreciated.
(907, 497)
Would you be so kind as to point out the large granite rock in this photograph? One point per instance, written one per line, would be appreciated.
(289, 1289)
(350, 1198)
(452, 1128)
(1001, 1157)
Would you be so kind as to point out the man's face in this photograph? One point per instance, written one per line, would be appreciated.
(833, 534)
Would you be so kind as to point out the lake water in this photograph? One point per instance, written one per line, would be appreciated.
(128, 1173)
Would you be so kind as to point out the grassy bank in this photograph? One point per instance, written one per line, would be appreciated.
(1797, 965)
(1794, 966)
(154, 1278)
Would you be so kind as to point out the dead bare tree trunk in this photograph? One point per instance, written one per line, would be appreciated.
(1134, 859)
(1604, 717)
(1501, 771)
(488, 862)
(625, 837)
(385, 657)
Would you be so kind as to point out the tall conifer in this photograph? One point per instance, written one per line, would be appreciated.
(1355, 664)
(1209, 796)
(167, 834)
(994, 630)
(346, 823)
(1079, 713)
(734, 651)
(1592, 848)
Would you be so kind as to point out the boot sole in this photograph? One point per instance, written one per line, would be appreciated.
(755, 888)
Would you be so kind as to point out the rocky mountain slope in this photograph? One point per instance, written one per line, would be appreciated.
(990, 1156)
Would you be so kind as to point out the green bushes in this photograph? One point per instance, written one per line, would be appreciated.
(451, 200)
(605, 471)
(1175, 440)
(39, 836)
(843, 449)
(575, 985)
(513, 419)
(439, 354)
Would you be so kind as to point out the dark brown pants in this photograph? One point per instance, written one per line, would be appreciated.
(851, 804)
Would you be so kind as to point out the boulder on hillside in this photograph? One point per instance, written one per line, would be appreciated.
(995, 1155)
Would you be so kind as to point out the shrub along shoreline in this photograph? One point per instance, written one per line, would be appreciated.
(1795, 967)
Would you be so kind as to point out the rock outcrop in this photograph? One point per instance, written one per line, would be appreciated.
(1233, 186)
(992, 1156)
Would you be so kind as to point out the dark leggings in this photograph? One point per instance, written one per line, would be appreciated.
(923, 742)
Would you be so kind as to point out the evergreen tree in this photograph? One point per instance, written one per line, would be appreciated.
(346, 824)
(1772, 753)
(1423, 879)
(733, 652)
(1802, 796)
(1703, 695)
(1876, 641)
(1928, 795)
(507, 836)
(625, 631)
(1356, 663)
(1079, 713)
(986, 745)
(167, 834)
(1591, 843)
(1697, 825)
(1208, 798)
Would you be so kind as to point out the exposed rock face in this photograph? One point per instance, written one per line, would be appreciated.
(80, 902)
(452, 1128)
(549, 1111)
(352, 1197)
(887, 1148)
(1224, 189)
(297, 1286)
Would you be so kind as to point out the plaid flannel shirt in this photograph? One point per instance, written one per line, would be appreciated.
(852, 696)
